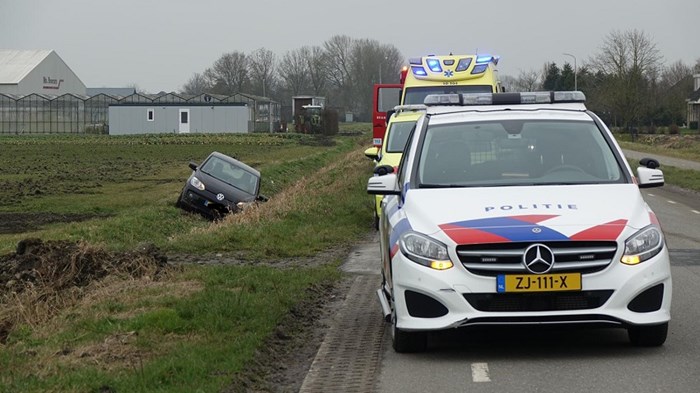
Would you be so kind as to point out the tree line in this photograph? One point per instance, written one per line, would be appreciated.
(626, 82)
(342, 69)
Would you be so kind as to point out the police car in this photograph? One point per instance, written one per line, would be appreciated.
(519, 208)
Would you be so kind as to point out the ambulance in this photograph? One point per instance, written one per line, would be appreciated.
(433, 75)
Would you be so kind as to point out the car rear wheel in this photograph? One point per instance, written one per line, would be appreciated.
(403, 341)
(648, 336)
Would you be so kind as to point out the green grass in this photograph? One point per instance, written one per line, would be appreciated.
(199, 327)
(195, 343)
(138, 179)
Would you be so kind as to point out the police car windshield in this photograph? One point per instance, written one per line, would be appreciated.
(416, 95)
(524, 152)
(231, 174)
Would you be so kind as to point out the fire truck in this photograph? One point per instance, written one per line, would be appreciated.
(433, 75)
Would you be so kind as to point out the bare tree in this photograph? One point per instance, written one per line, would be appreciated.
(229, 73)
(197, 84)
(627, 66)
(528, 80)
(263, 63)
(318, 67)
(338, 55)
(294, 70)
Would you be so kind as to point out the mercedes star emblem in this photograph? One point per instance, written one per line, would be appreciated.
(538, 259)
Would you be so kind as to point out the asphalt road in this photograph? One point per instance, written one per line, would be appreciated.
(549, 360)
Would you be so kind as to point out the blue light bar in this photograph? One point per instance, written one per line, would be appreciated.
(418, 71)
(463, 64)
(434, 65)
(483, 59)
(536, 98)
(479, 68)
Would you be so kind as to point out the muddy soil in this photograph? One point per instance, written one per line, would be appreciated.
(46, 270)
(280, 365)
(27, 222)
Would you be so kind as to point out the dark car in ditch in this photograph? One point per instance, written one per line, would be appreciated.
(220, 185)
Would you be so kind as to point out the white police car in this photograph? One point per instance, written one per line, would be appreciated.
(519, 208)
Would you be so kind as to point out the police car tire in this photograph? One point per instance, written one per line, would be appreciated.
(406, 342)
(648, 336)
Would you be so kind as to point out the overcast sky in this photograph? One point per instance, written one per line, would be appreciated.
(159, 44)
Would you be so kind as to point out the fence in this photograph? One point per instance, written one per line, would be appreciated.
(70, 113)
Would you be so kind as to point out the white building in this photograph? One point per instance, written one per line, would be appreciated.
(25, 72)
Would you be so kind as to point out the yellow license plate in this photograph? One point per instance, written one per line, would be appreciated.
(538, 282)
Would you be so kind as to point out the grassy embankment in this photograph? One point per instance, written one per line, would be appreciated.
(198, 327)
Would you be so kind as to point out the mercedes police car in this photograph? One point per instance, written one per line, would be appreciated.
(519, 208)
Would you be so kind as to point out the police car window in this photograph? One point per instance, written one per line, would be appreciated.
(398, 135)
(516, 153)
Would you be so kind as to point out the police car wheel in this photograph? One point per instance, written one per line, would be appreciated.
(406, 342)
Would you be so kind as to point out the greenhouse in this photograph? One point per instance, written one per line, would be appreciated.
(78, 114)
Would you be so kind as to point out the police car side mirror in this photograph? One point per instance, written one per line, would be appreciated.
(650, 177)
(383, 185)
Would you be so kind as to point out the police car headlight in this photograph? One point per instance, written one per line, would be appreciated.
(643, 245)
(197, 184)
(425, 251)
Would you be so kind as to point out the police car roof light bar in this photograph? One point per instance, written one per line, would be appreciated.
(540, 97)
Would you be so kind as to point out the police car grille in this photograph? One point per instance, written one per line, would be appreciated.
(506, 258)
(555, 301)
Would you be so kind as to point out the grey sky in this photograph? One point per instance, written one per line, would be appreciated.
(159, 44)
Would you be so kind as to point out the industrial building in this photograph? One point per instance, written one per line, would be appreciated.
(25, 72)
(40, 94)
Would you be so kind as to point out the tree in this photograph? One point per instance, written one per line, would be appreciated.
(552, 77)
(294, 70)
(229, 73)
(317, 65)
(263, 63)
(628, 65)
(527, 81)
(675, 85)
(196, 85)
(567, 80)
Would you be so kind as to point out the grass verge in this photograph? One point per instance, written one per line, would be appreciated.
(197, 327)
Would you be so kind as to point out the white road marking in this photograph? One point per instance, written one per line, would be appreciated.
(480, 372)
(695, 211)
(671, 202)
(651, 194)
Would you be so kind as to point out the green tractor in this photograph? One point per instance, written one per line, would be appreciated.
(310, 120)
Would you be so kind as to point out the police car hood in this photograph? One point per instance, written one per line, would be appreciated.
(542, 213)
